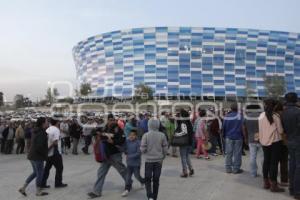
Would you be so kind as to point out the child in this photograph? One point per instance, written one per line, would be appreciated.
(133, 158)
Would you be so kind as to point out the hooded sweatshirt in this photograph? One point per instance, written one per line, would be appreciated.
(154, 144)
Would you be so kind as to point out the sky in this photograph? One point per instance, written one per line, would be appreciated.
(37, 36)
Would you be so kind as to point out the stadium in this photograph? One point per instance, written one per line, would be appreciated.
(203, 62)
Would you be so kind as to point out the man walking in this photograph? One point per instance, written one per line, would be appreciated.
(291, 126)
(87, 134)
(75, 132)
(2, 141)
(234, 133)
(54, 155)
(9, 136)
(154, 146)
(251, 124)
(37, 155)
(113, 137)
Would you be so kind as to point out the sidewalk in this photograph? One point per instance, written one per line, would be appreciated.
(209, 183)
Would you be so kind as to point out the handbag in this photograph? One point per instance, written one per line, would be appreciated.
(181, 136)
(99, 151)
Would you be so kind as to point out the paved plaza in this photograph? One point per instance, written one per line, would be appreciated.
(209, 183)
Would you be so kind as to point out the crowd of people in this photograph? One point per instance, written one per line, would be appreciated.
(275, 131)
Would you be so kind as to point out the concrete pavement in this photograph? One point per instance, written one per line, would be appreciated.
(209, 183)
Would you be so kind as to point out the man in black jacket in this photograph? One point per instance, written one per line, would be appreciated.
(38, 153)
(9, 136)
(75, 132)
(291, 125)
(113, 138)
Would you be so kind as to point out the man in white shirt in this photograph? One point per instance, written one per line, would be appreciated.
(54, 155)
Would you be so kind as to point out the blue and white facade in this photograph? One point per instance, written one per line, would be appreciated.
(194, 61)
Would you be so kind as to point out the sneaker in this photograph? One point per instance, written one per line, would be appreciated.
(125, 193)
(61, 185)
(45, 187)
(284, 184)
(238, 171)
(42, 194)
(22, 191)
(207, 158)
(92, 195)
(184, 175)
(191, 172)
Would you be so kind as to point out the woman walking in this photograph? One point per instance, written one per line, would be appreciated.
(185, 129)
(270, 130)
(38, 153)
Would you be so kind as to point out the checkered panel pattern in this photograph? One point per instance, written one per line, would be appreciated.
(188, 61)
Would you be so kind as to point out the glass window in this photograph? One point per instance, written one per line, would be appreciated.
(208, 89)
(250, 56)
(218, 59)
(240, 81)
(260, 60)
(229, 67)
(207, 78)
(230, 88)
(229, 78)
(220, 92)
(218, 72)
(218, 82)
(196, 54)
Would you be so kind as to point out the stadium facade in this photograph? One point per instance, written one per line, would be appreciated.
(203, 62)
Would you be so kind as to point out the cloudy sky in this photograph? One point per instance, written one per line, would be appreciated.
(37, 36)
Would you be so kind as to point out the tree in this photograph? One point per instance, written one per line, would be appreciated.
(85, 89)
(274, 86)
(27, 102)
(19, 101)
(43, 102)
(1, 99)
(50, 96)
(143, 93)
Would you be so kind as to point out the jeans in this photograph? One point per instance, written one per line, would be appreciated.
(9, 146)
(87, 143)
(152, 176)
(28, 145)
(185, 158)
(255, 148)
(114, 160)
(75, 145)
(294, 175)
(20, 146)
(38, 171)
(136, 171)
(194, 145)
(271, 160)
(57, 162)
(284, 163)
(215, 141)
(233, 160)
(2, 145)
